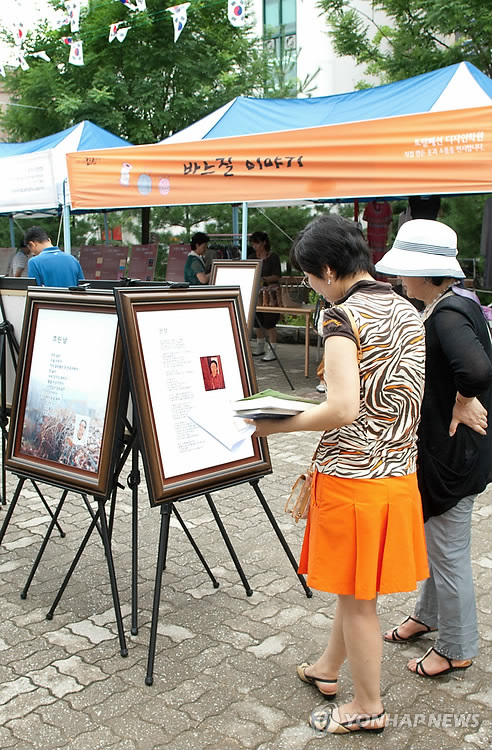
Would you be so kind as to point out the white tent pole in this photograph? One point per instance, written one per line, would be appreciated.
(244, 228)
(67, 244)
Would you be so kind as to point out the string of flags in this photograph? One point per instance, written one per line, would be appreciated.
(71, 17)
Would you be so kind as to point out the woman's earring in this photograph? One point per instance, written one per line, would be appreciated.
(328, 280)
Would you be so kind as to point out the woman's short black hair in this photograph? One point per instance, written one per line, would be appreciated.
(260, 237)
(331, 241)
(199, 238)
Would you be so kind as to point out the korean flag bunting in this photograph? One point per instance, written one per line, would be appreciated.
(76, 54)
(179, 18)
(67, 39)
(2, 71)
(236, 12)
(112, 31)
(19, 34)
(42, 55)
(61, 21)
(121, 34)
(22, 61)
(73, 12)
(116, 33)
(141, 5)
(129, 5)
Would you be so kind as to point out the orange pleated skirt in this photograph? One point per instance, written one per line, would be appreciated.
(364, 536)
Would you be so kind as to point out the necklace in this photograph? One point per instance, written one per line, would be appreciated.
(428, 309)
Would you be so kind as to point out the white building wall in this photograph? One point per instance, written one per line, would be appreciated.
(337, 75)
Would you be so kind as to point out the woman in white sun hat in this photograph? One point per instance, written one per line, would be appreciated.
(455, 440)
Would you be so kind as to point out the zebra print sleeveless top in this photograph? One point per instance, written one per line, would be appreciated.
(381, 442)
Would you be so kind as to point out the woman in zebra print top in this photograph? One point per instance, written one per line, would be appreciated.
(365, 514)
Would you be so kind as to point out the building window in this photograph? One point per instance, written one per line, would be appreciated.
(279, 31)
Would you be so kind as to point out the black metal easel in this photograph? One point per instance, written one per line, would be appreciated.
(166, 509)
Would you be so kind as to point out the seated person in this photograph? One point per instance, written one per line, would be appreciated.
(194, 270)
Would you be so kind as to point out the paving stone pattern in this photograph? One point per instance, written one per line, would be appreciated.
(224, 673)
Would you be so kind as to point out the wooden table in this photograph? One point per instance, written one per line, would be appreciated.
(305, 310)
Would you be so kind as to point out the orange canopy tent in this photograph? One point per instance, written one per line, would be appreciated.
(445, 150)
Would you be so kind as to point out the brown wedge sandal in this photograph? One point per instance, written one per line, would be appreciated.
(301, 673)
(323, 721)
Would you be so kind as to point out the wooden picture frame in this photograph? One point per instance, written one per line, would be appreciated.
(169, 336)
(67, 399)
(243, 273)
(13, 294)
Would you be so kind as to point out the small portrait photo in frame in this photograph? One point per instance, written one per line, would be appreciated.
(213, 377)
(81, 431)
(188, 359)
(68, 392)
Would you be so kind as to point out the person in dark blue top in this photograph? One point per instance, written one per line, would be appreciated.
(50, 266)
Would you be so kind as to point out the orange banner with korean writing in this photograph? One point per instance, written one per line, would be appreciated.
(438, 152)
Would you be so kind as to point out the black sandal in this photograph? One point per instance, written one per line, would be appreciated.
(395, 637)
(419, 667)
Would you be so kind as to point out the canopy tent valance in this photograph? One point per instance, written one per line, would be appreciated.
(428, 134)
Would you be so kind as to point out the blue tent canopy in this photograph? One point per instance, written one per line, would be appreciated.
(454, 87)
(34, 173)
(91, 136)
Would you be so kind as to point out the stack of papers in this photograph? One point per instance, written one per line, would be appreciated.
(271, 403)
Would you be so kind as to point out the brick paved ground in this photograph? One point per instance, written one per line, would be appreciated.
(224, 675)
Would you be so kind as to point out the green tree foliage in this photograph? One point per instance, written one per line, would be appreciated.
(424, 35)
(143, 89)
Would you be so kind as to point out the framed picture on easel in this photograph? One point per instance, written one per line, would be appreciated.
(188, 359)
(243, 273)
(13, 293)
(67, 395)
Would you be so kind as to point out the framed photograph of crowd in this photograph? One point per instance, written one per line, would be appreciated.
(245, 274)
(188, 358)
(68, 391)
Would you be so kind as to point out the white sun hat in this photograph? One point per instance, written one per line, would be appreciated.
(422, 247)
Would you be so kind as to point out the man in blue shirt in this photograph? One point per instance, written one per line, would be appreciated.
(50, 266)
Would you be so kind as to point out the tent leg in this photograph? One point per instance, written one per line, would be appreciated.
(244, 228)
(67, 243)
(235, 224)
